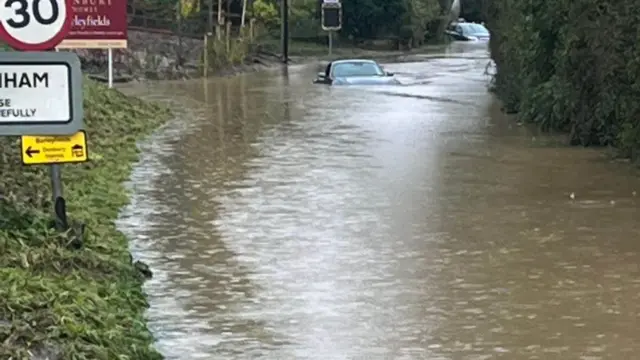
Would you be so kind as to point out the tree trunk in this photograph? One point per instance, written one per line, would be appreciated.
(454, 12)
(244, 13)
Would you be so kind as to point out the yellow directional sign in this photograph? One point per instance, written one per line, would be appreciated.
(57, 149)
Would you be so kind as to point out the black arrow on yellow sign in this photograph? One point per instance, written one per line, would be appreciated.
(30, 152)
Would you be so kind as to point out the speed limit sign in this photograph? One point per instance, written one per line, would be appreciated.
(34, 24)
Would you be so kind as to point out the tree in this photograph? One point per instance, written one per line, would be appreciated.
(473, 10)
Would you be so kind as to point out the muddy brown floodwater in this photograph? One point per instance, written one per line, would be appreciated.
(285, 220)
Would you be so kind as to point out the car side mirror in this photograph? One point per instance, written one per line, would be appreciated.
(453, 34)
(388, 73)
(321, 75)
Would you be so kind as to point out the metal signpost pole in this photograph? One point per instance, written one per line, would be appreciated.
(285, 30)
(57, 198)
(59, 208)
(42, 92)
(110, 67)
(331, 19)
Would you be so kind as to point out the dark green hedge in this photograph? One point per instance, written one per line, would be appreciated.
(571, 65)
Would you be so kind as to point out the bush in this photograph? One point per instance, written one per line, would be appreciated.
(218, 57)
(570, 65)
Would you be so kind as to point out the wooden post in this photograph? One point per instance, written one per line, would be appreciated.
(221, 115)
(244, 13)
(179, 58)
(251, 29)
(229, 102)
(243, 97)
(210, 26)
(205, 85)
(284, 30)
(228, 36)
(219, 26)
(205, 55)
(210, 17)
(243, 109)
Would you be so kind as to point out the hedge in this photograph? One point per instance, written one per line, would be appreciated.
(572, 66)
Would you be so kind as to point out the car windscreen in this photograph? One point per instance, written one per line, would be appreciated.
(356, 69)
(474, 29)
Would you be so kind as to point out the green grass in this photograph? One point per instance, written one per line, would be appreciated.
(57, 298)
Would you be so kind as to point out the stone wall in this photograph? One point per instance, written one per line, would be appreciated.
(149, 55)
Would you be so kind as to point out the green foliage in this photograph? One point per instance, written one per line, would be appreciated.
(304, 22)
(156, 7)
(373, 18)
(473, 10)
(58, 298)
(220, 57)
(571, 65)
(419, 14)
(409, 21)
(362, 19)
(265, 12)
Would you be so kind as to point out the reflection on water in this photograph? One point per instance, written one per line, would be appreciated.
(286, 220)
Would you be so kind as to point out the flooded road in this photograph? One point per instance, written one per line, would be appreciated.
(285, 220)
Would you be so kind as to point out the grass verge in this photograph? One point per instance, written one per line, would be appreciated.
(58, 298)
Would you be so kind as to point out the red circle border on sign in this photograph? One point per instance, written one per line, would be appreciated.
(47, 45)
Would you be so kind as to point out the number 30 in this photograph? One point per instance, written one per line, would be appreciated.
(23, 12)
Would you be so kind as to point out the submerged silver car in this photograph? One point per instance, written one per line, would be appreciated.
(355, 72)
(464, 31)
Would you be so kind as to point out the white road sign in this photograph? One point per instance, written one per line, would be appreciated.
(35, 93)
(40, 93)
(34, 24)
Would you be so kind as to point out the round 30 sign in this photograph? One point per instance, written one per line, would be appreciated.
(35, 25)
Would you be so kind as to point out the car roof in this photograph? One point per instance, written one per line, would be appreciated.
(354, 60)
(467, 24)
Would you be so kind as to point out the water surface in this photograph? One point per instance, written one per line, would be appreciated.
(285, 220)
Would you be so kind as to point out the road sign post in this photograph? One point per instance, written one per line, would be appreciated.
(110, 67)
(331, 19)
(41, 91)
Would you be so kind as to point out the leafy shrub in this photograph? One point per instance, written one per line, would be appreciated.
(570, 65)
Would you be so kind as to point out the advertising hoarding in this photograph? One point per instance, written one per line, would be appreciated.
(97, 24)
